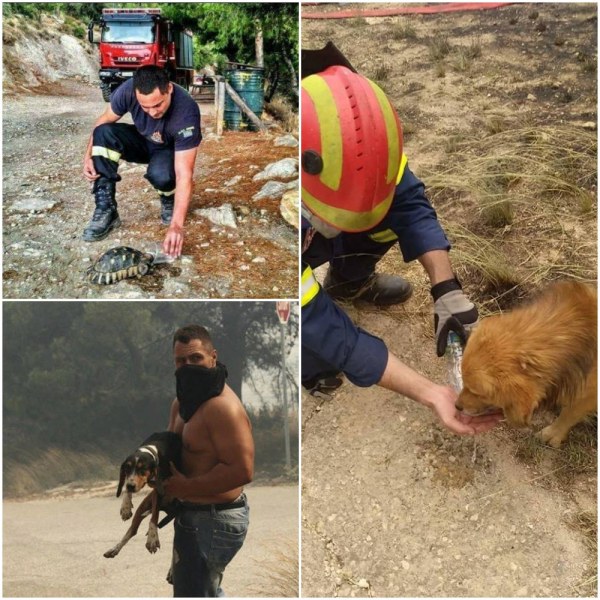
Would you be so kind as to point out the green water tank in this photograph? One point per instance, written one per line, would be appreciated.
(248, 82)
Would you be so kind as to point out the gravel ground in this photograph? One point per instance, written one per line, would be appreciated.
(47, 203)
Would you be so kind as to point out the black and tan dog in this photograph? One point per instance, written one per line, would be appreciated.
(148, 465)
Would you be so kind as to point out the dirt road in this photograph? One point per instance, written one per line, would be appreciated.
(400, 507)
(54, 548)
(47, 203)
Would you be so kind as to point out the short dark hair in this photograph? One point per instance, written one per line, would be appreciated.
(193, 332)
(147, 79)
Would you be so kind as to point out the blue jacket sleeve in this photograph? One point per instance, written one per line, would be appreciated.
(414, 220)
(328, 333)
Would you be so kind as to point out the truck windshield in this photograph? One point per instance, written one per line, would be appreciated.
(128, 32)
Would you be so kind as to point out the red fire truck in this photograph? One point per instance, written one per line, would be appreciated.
(132, 37)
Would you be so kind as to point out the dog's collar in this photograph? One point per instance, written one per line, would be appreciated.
(152, 450)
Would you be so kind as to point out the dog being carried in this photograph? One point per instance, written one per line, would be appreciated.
(545, 351)
(148, 465)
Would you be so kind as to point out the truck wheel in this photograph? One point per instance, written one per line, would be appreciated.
(105, 87)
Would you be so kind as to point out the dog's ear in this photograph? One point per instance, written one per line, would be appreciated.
(531, 366)
(121, 479)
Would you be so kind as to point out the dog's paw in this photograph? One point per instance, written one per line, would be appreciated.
(112, 552)
(152, 543)
(550, 436)
(126, 507)
(126, 513)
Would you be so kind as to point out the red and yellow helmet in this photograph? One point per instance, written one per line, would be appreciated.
(351, 149)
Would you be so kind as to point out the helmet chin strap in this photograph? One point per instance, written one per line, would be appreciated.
(326, 230)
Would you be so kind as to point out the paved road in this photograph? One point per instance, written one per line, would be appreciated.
(54, 548)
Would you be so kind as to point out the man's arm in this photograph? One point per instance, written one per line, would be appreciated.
(401, 379)
(437, 265)
(230, 433)
(184, 172)
(108, 116)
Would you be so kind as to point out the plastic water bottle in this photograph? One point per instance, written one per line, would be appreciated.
(454, 354)
(155, 248)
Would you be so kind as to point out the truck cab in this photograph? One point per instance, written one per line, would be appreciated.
(132, 37)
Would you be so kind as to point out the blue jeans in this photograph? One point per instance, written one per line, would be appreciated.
(205, 543)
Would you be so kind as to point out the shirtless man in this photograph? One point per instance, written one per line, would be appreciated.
(217, 461)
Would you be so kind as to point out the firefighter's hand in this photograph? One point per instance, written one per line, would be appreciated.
(453, 311)
(88, 169)
(173, 243)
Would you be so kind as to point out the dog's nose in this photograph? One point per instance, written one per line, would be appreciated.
(130, 487)
(458, 406)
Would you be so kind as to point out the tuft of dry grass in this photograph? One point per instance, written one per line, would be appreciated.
(382, 72)
(529, 196)
(586, 522)
(483, 258)
(285, 113)
(439, 48)
(404, 31)
(280, 573)
(357, 22)
(45, 469)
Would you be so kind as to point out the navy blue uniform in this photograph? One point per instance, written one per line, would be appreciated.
(179, 127)
(148, 141)
(330, 341)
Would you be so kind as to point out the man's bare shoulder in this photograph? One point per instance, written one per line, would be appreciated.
(226, 401)
(225, 405)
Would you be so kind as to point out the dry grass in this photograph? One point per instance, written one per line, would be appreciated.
(532, 195)
(285, 113)
(44, 469)
(586, 522)
(404, 31)
(439, 47)
(280, 572)
(382, 72)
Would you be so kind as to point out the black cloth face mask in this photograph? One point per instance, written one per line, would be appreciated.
(196, 385)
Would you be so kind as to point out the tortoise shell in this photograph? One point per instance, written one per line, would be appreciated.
(119, 263)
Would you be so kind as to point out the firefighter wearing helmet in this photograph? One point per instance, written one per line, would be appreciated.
(359, 199)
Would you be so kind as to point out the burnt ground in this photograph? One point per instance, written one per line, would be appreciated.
(47, 203)
(393, 505)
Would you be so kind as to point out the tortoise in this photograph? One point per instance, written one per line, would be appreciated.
(120, 263)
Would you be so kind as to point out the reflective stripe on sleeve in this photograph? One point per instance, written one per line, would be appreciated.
(383, 237)
(106, 153)
(310, 286)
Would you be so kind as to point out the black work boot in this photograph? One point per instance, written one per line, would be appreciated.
(166, 209)
(378, 289)
(323, 383)
(105, 217)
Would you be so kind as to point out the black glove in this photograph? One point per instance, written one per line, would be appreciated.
(453, 312)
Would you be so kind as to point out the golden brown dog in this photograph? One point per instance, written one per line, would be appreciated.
(544, 351)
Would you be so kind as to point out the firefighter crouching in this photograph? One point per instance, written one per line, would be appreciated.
(165, 136)
(359, 198)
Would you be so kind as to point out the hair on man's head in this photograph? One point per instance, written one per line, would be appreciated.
(193, 332)
(147, 79)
